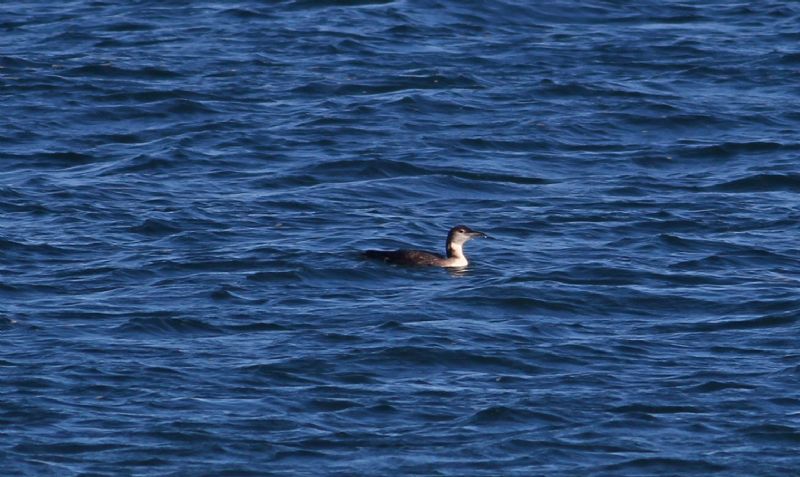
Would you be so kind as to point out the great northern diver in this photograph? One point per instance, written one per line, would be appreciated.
(458, 236)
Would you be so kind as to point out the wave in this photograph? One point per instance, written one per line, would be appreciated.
(730, 149)
(504, 415)
(398, 84)
(168, 326)
(311, 4)
(110, 71)
(667, 465)
(156, 227)
(761, 183)
(786, 320)
(352, 170)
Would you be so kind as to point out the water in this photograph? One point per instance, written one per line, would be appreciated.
(185, 185)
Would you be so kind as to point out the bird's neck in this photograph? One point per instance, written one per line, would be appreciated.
(455, 256)
(455, 250)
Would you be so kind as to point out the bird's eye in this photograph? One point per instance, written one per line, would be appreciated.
(461, 231)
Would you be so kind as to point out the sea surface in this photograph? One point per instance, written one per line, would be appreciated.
(185, 188)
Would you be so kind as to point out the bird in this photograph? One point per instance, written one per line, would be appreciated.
(454, 257)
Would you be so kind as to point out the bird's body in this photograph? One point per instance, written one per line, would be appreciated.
(455, 257)
(408, 257)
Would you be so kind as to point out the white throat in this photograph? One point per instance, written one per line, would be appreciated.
(456, 250)
(456, 256)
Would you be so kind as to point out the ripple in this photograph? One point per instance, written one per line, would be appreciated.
(773, 432)
(661, 464)
(654, 409)
(155, 227)
(730, 149)
(164, 326)
(502, 415)
(404, 83)
(715, 386)
(439, 357)
(771, 321)
(761, 183)
(108, 70)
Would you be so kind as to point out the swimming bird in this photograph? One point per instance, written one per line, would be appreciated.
(454, 257)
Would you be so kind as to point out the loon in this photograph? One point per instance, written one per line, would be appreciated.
(458, 236)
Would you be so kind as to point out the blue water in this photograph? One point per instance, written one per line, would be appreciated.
(185, 186)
